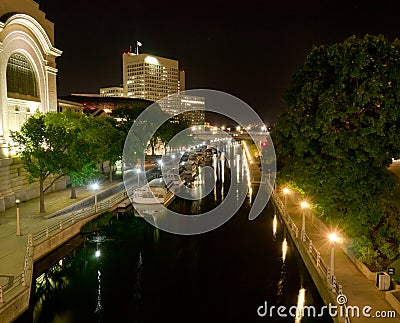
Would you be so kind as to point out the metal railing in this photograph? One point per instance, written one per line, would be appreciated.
(12, 287)
(70, 218)
(313, 253)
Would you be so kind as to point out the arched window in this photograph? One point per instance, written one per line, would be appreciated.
(20, 76)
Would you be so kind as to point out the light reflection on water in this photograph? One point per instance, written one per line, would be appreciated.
(147, 275)
(301, 300)
(284, 249)
(274, 226)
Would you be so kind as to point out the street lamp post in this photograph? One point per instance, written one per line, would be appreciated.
(17, 201)
(95, 187)
(332, 238)
(304, 206)
(286, 191)
(138, 176)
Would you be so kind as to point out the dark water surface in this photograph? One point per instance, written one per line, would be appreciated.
(126, 270)
(129, 271)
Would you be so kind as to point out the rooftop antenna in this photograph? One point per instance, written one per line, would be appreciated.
(130, 48)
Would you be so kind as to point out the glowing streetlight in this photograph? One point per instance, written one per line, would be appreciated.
(333, 238)
(304, 205)
(17, 201)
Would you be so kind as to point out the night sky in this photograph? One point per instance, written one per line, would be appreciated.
(249, 48)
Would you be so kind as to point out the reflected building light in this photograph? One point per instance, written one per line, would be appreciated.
(301, 299)
(274, 225)
(222, 167)
(237, 168)
(284, 249)
(250, 194)
(215, 158)
(99, 307)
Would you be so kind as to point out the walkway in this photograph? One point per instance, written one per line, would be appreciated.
(356, 287)
(13, 247)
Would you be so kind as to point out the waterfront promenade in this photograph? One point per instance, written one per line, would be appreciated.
(13, 248)
(359, 290)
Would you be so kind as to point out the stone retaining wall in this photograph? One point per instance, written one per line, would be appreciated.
(15, 184)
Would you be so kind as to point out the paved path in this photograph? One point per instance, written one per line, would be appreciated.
(358, 289)
(13, 247)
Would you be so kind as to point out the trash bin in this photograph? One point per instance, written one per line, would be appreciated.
(382, 281)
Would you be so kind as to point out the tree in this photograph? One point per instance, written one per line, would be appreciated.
(41, 147)
(169, 129)
(126, 116)
(61, 144)
(339, 132)
(112, 141)
(85, 148)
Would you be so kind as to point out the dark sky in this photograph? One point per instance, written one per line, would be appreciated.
(246, 48)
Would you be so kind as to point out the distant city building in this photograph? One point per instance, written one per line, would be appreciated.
(159, 79)
(27, 65)
(96, 105)
(192, 108)
(151, 77)
(113, 91)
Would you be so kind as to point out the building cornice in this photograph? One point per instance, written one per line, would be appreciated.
(31, 24)
(51, 70)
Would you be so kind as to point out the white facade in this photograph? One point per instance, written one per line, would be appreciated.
(27, 65)
(150, 77)
(159, 79)
(193, 108)
(113, 91)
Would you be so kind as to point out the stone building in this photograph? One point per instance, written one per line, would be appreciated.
(27, 84)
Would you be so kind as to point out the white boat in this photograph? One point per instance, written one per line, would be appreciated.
(157, 191)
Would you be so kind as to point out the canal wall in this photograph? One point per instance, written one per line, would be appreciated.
(19, 301)
(308, 253)
(313, 267)
(14, 299)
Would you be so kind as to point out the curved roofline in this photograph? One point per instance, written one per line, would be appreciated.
(34, 26)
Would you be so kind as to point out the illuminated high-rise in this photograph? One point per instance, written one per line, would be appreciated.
(151, 77)
(159, 79)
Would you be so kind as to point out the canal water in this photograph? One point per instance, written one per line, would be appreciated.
(122, 269)
(128, 271)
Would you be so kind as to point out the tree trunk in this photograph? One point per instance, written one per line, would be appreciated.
(111, 173)
(41, 194)
(73, 192)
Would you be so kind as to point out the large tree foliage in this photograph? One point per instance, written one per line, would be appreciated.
(41, 147)
(86, 148)
(340, 131)
(58, 144)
